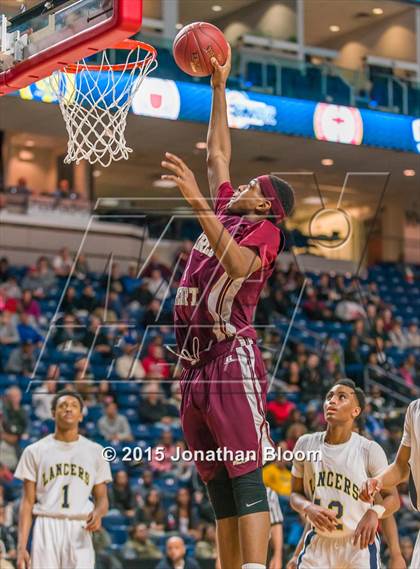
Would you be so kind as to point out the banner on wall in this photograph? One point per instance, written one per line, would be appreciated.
(175, 100)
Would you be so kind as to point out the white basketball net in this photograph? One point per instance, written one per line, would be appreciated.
(95, 105)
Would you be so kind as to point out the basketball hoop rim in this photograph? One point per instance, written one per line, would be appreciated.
(125, 45)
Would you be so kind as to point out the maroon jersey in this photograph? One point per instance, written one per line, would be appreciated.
(210, 307)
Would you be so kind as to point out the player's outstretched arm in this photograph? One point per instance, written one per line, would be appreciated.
(390, 533)
(25, 522)
(100, 496)
(218, 136)
(237, 261)
(394, 474)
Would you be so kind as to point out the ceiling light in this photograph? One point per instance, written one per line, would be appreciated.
(96, 173)
(201, 145)
(409, 173)
(312, 200)
(30, 143)
(216, 8)
(26, 155)
(327, 161)
(178, 26)
(377, 11)
(165, 184)
(334, 28)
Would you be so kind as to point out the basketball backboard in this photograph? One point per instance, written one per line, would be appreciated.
(51, 34)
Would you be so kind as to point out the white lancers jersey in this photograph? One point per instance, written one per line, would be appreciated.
(334, 481)
(411, 438)
(65, 474)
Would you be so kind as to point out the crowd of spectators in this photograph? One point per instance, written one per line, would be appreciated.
(131, 390)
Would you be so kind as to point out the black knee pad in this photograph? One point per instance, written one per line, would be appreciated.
(250, 493)
(221, 495)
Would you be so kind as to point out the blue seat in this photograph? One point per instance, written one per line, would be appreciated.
(119, 534)
(114, 520)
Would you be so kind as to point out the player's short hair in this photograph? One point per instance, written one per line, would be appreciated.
(358, 392)
(285, 193)
(63, 393)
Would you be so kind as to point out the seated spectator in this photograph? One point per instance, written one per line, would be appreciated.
(62, 262)
(183, 515)
(27, 329)
(293, 377)
(206, 547)
(152, 408)
(29, 305)
(142, 294)
(409, 373)
(20, 188)
(388, 319)
(359, 330)
(413, 335)
(45, 275)
(348, 310)
(64, 191)
(87, 301)
(81, 269)
(105, 558)
(95, 337)
(13, 426)
(181, 258)
(397, 335)
(146, 483)
(312, 383)
(152, 512)
(8, 328)
(43, 396)
(176, 556)
(121, 496)
(277, 476)
(352, 353)
(113, 426)
(68, 335)
(157, 285)
(140, 546)
(155, 362)
(10, 293)
(22, 360)
(130, 282)
(153, 264)
(128, 366)
(295, 431)
(314, 308)
(154, 315)
(279, 409)
(164, 449)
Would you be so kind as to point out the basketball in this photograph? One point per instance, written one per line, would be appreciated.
(196, 44)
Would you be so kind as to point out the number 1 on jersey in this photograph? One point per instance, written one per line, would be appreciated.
(65, 490)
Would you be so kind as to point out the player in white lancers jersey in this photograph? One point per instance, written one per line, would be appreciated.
(326, 490)
(405, 466)
(60, 472)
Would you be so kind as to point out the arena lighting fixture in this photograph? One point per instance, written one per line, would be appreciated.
(216, 8)
(178, 26)
(201, 145)
(409, 173)
(312, 200)
(377, 11)
(164, 184)
(96, 173)
(334, 28)
(327, 161)
(30, 143)
(26, 155)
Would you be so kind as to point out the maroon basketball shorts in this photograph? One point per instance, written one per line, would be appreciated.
(223, 411)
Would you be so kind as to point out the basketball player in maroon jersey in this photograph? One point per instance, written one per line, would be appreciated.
(224, 380)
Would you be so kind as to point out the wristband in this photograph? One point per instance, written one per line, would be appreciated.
(380, 510)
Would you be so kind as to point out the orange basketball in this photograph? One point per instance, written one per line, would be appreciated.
(196, 44)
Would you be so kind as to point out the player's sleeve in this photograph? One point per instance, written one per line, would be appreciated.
(377, 460)
(264, 237)
(103, 469)
(26, 468)
(298, 465)
(224, 193)
(408, 427)
(276, 515)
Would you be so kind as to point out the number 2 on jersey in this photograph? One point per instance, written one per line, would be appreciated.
(334, 505)
(65, 490)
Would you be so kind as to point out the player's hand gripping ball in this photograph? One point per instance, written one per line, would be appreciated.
(196, 44)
